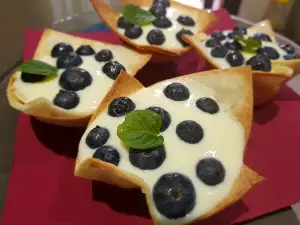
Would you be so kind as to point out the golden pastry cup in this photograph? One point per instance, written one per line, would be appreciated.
(43, 109)
(110, 17)
(266, 85)
(233, 87)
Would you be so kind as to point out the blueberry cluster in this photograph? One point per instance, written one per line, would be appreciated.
(174, 194)
(156, 36)
(96, 139)
(226, 46)
(291, 54)
(190, 131)
(73, 78)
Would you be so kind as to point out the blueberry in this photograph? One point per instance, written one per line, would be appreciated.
(233, 45)
(174, 195)
(158, 9)
(112, 69)
(122, 23)
(165, 3)
(179, 36)
(189, 131)
(68, 60)
(218, 35)
(289, 49)
(235, 58)
(210, 171)
(164, 115)
(212, 42)
(85, 50)
(162, 22)
(156, 37)
(32, 78)
(97, 137)
(148, 159)
(66, 99)
(107, 154)
(177, 92)
(291, 56)
(237, 32)
(207, 105)
(120, 107)
(263, 56)
(133, 32)
(269, 52)
(186, 21)
(104, 55)
(259, 62)
(262, 37)
(219, 51)
(61, 49)
(75, 79)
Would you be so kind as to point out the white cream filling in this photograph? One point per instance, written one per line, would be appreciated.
(222, 63)
(171, 41)
(90, 97)
(223, 139)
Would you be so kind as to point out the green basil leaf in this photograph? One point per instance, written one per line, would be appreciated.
(250, 45)
(239, 38)
(137, 15)
(252, 42)
(249, 49)
(38, 67)
(141, 129)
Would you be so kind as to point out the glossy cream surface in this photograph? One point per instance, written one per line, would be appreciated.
(223, 139)
(90, 96)
(171, 41)
(222, 63)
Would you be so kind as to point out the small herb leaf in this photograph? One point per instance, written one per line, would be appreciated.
(141, 129)
(137, 15)
(253, 43)
(38, 67)
(249, 49)
(250, 45)
(239, 38)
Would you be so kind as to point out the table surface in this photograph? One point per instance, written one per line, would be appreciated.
(8, 121)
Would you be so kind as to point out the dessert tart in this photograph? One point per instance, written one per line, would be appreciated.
(272, 64)
(162, 33)
(85, 71)
(172, 140)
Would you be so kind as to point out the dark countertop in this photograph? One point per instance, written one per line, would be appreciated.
(8, 121)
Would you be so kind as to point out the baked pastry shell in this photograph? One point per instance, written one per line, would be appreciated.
(43, 109)
(266, 85)
(233, 87)
(110, 17)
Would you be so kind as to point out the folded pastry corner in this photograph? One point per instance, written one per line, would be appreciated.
(86, 69)
(197, 170)
(272, 64)
(164, 34)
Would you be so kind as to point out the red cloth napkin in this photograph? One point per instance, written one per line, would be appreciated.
(43, 191)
